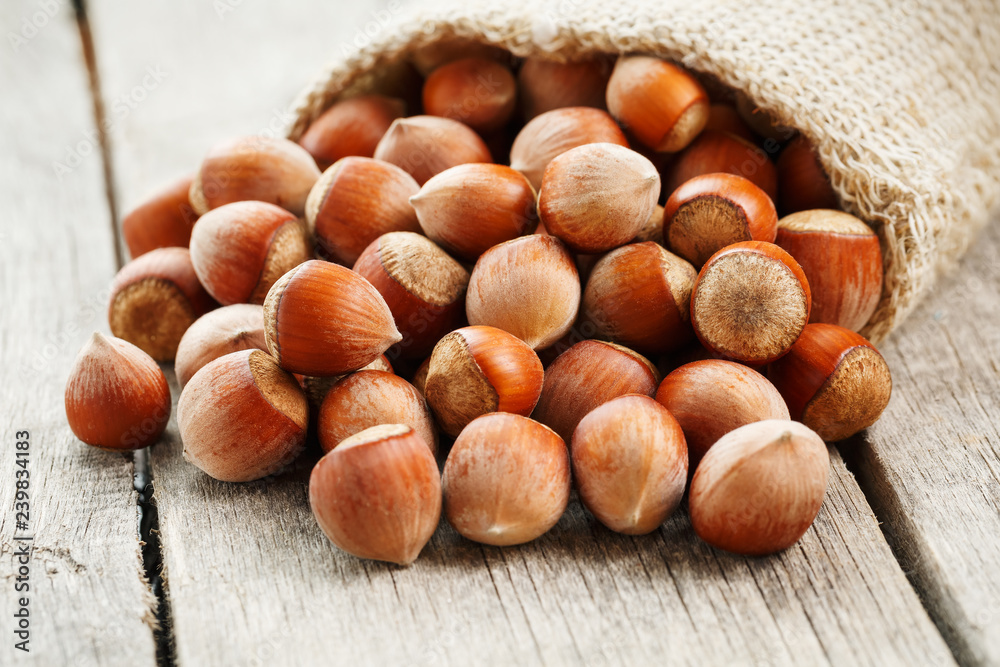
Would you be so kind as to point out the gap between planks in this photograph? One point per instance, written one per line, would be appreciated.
(147, 519)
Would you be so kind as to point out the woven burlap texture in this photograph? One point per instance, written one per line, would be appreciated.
(901, 99)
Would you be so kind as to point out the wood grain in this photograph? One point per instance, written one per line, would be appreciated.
(931, 466)
(251, 578)
(88, 602)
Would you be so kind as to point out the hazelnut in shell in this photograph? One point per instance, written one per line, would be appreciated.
(239, 250)
(760, 487)
(241, 417)
(506, 480)
(833, 380)
(378, 494)
(154, 299)
(630, 464)
(116, 398)
(476, 370)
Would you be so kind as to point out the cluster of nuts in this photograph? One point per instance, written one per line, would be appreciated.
(636, 220)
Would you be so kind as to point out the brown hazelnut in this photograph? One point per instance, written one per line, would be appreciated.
(662, 104)
(587, 375)
(597, 197)
(710, 212)
(528, 287)
(356, 201)
(427, 145)
(423, 287)
(760, 487)
(356, 328)
(802, 182)
(630, 464)
(470, 208)
(239, 250)
(479, 92)
(711, 397)
(117, 397)
(154, 299)
(551, 134)
(378, 494)
(544, 85)
(372, 398)
(242, 418)
(351, 127)
(476, 370)
(833, 380)
(842, 260)
(164, 220)
(639, 295)
(506, 480)
(218, 333)
(719, 152)
(750, 302)
(276, 171)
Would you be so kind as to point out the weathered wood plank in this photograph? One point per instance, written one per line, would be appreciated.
(88, 602)
(252, 579)
(931, 466)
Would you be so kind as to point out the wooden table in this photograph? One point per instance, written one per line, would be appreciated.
(901, 568)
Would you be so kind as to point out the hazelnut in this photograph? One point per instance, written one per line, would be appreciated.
(351, 127)
(554, 132)
(356, 326)
(802, 182)
(479, 92)
(725, 118)
(528, 287)
(709, 212)
(371, 398)
(423, 287)
(477, 370)
(378, 494)
(218, 333)
(239, 250)
(598, 196)
(154, 299)
(116, 398)
(718, 152)
(640, 296)
(276, 171)
(750, 302)
(164, 220)
(833, 380)
(587, 375)
(544, 85)
(630, 464)
(661, 104)
(711, 397)
(356, 201)
(760, 487)
(470, 208)
(842, 260)
(427, 145)
(242, 418)
(506, 480)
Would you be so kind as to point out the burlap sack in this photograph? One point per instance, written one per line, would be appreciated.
(901, 99)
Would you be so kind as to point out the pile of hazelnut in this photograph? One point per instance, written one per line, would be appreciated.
(523, 304)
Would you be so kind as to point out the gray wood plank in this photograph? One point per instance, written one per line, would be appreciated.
(252, 579)
(931, 466)
(89, 604)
